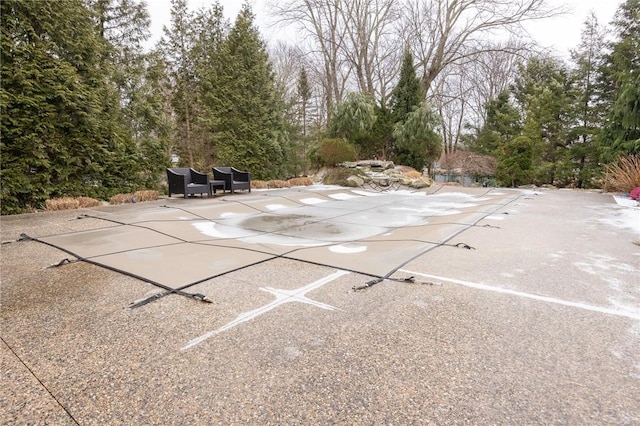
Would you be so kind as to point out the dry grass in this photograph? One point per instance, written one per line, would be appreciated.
(70, 203)
(121, 199)
(146, 195)
(278, 184)
(86, 202)
(62, 203)
(136, 197)
(301, 181)
(623, 175)
(259, 184)
(273, 184)
(404, 169)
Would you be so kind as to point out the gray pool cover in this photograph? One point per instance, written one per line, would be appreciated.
(372, 233)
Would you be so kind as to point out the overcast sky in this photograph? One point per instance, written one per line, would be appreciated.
(561, 33)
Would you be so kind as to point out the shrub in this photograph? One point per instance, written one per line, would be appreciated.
(623, 175)
(334, 151)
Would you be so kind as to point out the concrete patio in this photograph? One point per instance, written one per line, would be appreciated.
(523, 308)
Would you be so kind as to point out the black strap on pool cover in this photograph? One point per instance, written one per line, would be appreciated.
(443, 243)
(169, 290)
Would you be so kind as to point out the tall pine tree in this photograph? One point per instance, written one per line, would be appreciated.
(408, 93)
(303, 92)
(502, 124)
(243, 109)
(544, 93)
(622, 72)
(406, 97)
(588, 110)
(191, 48)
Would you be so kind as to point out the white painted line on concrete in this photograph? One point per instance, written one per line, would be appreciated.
(282, 296)
(609, 311)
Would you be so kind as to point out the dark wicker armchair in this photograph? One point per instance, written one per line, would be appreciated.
(233, 178)
(184, 180)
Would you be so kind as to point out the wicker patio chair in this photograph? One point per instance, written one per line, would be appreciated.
(187, 181)
(233, 178)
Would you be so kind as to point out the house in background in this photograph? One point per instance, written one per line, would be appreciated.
(466, 168)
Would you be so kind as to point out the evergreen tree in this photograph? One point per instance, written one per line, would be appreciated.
(408, 93)
(406, 97)
(209, 32)
(502, 124)
(589, 111)
(354, 118)
(151, 121)
(244, 111)
(303, 92)
(61, 128)
(622, 71)
(544, 94)
(380, 141)
(515, 161)
(418, 143)
(177, 45)
(123, 26)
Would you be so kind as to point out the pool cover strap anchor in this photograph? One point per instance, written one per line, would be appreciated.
(64, 261)
(405, 280)
(465, 246)
(196, 296)
(380, 279)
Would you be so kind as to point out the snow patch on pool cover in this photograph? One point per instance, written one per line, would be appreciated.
(293, 229)
(348, 248)
(342, 196)
(212, 229)
(312, 200)
(274, 207)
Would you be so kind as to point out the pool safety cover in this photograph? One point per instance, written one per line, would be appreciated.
(372, 233)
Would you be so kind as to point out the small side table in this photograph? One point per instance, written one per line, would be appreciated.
(217, 184)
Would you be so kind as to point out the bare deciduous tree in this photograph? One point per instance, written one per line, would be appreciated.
(371, 47)
(445, 32)
(322, 21)
(287, 60)
(462, 91)
(357, 40)
(491, 73)
(463, 63)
